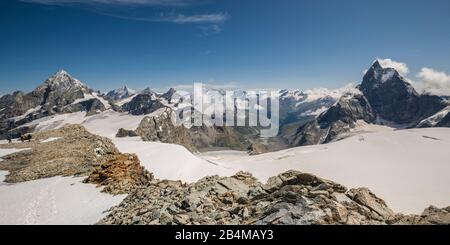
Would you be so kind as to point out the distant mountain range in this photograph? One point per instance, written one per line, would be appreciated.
(315, 116)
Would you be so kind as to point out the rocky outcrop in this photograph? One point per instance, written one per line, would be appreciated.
(291, 198)
(257, 148)
(120, 175)
(120, 93)
(121, 133)
(169, 94)
(431, 216)
(91, 107)
(143, 104)
(340, 118)
(161, 128)
(76, 152)
(218, 136)
(445, 122)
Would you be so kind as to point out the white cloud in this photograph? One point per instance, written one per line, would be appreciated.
(433, 82)
(125, 9)
(112, 2)
(402, 68)
(197, 19)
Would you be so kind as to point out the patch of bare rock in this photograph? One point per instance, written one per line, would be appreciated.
(291, 198)
(75, 152)
(120, 175)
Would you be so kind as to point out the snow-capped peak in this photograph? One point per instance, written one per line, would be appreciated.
(62, 72)
(120, 93)
(63, 79)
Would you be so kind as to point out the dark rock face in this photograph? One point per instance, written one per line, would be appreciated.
(430, 105)
(160, 128)
(445, 122)
(60, 90)
(120, 93)
(125, 133)
(17, 104)
(386, 98)
(142, 104)
(218, 136)
(168, 95)
(340, 118)
(92, 107)
(390, 95)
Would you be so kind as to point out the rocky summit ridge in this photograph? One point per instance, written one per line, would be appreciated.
(291, 198)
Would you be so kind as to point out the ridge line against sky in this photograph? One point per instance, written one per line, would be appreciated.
(255, 43)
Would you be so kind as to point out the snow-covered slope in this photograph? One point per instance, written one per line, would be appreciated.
(170, 161)
(106, 123)
(409, 169)
(57, 200)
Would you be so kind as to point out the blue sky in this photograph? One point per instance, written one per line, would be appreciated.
(252, 43)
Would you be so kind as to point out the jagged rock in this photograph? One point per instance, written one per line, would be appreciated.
(430, 216)
(125, 133)
(120, 93)
(121, 174)
(294, 198)
(161, 128)
(91, 107)
(168, 95)
(257, 148)
(143, 104)
(218, 136)
(394, 99)
(444, 122)
(77, 152)
(340, 118)
(366, 198)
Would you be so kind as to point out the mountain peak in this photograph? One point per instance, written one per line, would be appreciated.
(64, 79)
(62, 72)
(120, 93)
(377, 65)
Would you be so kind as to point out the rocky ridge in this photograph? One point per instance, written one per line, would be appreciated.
(74, 151)
(291, 198)
(120, 175)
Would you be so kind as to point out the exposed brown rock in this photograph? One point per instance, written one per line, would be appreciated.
(77, 152)
(125, 133)
(120, 175)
